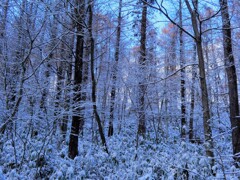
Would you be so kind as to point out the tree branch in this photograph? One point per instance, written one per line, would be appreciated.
(162, 9)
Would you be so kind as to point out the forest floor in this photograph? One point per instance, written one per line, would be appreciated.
(169, 158)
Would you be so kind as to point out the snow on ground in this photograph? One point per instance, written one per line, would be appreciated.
(169, 158)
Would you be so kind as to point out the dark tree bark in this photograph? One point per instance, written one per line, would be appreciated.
(232, 79)
(94, 84)
(78, 116)
(115, 71)
(142, 64)
(182, 81)
(205, 101)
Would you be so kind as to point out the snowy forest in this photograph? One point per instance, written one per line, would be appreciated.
(119, 89)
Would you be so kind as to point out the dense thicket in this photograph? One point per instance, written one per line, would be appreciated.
(119, 89)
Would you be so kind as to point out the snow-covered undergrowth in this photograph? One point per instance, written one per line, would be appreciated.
(169, 158)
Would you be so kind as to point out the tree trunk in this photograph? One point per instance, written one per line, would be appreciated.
(115, 71)
(192, 103)
(97, 117)
(78, 115)
(203, 84)
(182, 82)
(142, 63)
(232, 79)
(205, 103)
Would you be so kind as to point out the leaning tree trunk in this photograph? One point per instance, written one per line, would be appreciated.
(232, 79)
(78, 115)
(142, 63)
(115, 71)
(94, 84)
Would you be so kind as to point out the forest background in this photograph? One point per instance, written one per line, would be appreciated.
(119, 89)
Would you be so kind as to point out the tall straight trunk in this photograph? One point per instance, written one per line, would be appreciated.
(203, 83)
(94, 84)
(77, 118)
(192, 103)
(142, 63)
(115, 71)
(182, 81)
(232, 79)
(205, 103)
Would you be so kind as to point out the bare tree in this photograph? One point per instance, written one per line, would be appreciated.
(77, 118)
(94, 83)
(115, 71)
(142, 67)
(205, 100)
(197, 37)
(182, 81)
